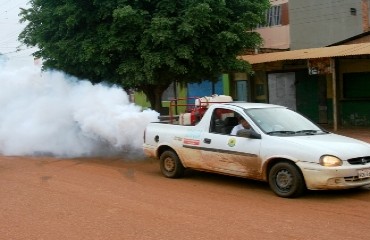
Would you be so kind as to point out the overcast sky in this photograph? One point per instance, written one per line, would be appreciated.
(10, 29)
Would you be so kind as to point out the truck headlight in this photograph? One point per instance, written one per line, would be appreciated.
(330, 161)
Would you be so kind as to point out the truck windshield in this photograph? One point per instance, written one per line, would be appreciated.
(282, 121)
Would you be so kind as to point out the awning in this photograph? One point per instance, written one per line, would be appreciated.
(311, 53)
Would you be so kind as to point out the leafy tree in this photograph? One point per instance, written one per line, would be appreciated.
(143, 44)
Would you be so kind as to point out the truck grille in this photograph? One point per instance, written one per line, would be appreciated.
(355, 179)
(359, 161)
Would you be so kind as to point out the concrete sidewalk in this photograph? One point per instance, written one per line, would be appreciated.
(361, 133)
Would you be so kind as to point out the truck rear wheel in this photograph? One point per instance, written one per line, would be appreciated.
(171, 165)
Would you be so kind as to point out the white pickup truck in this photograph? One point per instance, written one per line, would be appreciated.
(281, 147)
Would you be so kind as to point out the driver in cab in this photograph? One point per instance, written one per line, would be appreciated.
(243, 124)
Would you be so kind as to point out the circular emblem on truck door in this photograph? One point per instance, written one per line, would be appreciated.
(232, 142)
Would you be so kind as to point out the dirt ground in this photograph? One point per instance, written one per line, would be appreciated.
(116, 198)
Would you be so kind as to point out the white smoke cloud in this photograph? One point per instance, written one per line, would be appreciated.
(55, 114)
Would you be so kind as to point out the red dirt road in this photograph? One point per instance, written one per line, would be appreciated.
(110, 198)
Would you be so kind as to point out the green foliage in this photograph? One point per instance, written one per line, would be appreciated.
(141, 43)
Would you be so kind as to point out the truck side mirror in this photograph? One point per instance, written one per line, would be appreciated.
(248, 133)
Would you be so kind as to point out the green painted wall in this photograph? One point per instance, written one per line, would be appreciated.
(355, 113)
(226, 84)
(307, 95)
(141, 99)
(181, 93)
(354, 92)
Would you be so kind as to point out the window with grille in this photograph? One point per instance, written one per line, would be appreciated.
(273, 17)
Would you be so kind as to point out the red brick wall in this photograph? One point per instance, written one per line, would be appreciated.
(365, 15)
(284, 14)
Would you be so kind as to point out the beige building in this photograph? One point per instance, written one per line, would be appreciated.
(303, 24)
(330, 85)
(276, 31)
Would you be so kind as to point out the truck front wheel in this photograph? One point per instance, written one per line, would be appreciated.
(286, 180)
(171, 165)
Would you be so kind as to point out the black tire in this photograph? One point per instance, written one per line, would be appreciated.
(171, 165)
(286, 180)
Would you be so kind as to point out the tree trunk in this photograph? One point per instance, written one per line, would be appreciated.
(154, 95)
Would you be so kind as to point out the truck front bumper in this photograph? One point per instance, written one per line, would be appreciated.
(342, 177)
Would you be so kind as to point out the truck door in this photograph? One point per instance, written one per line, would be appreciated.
(222, 152)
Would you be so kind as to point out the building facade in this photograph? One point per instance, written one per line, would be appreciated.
(276, 31)
(293, 83)
(301, 24)
(319, 23)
